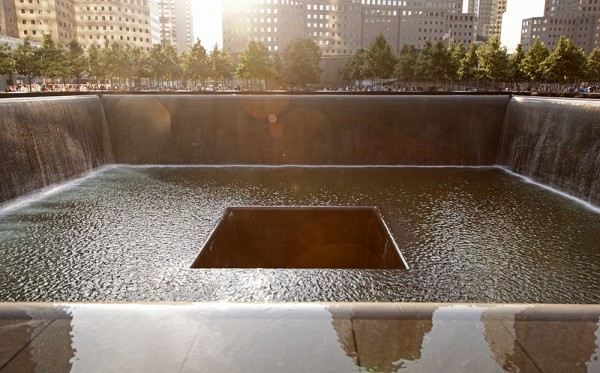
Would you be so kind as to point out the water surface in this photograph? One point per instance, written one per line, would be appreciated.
(468, 235)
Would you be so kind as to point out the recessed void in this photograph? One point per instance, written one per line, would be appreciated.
(301, 237)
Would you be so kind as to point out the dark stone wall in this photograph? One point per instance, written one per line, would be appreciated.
(306, 130)
(44, 141)
(555, 142)
(47, 140)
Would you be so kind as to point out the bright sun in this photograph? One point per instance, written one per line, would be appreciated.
(207, 22)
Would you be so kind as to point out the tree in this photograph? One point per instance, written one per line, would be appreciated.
(493, 60)
(433, 62)
(222, 65)
(197, 63)
(592, 66)
(566, 63)
(97, 67)
(26, 61)
(141, 69)
(457, 53)
(78, 63)
(405, 69)
(301, 62)
(164, 63)
(380, 61)
(531, 65)
(7, 62)
(51, 59)
(468, 69)
(353, 69)
(516, 74)
(255, 62)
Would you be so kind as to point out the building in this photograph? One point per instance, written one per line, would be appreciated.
(340, 27)
(8, 19)
(578, 20)
(176, 23)
(133, 22)
(488, 15)
(34, 19)
(92, 22)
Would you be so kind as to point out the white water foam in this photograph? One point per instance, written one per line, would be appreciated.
(579, 201)
(27, 199)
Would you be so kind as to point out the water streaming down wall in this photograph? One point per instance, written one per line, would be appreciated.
(305, 130)
(555, 142)
(47, 140)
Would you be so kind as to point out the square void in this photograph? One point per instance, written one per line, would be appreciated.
(301, 237)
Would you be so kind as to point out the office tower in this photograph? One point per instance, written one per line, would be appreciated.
(578, 20)
(176, 23)
(8, 19)
(488, 15)
(37, 18)
(340, 27)
(133, 22)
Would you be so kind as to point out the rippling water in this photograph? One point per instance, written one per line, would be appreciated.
(468, 235)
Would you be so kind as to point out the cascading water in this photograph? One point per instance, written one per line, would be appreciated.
(47, 140)
(555, 142)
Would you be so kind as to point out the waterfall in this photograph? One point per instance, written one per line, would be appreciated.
(555, 142)
(47, 140)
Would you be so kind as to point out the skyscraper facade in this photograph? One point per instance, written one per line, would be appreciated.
(578, 20)
(176, 23)
(489, 15)
(91, 22)
(341, 27)
(8, 19)
(34, 19)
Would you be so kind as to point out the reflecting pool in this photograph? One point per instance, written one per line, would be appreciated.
(467, 234)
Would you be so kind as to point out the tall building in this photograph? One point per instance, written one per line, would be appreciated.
(176, 23)
(54, 17)
(8, 19)
(488, 17)
(578, 20)
(340, 27)
(133, 22)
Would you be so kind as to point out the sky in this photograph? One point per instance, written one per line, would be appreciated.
(207, 21)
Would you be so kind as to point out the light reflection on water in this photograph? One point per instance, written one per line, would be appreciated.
(306, 337)
(469, 235)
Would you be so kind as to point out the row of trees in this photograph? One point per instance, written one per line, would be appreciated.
(438, 62)
(123, 64)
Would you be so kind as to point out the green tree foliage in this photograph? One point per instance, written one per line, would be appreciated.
(457, 52)
(531, 65)
(197, 63)
(26, 62)
(516, 60)
(51, 59)
(301, 62)
(7, 61)
(592, 66)
(468, 69)
(566, 63)
(405, 69)
(97, 67)
(222, 64)
(164, 62)
(278, 73)
(77, 61)
(433, 63)
(493, 60)
(353, 69)
(381, 60)
(255, 62)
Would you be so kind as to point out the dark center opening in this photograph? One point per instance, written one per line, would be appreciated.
(301, 237)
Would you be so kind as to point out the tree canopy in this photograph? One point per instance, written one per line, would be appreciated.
(301, 62)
